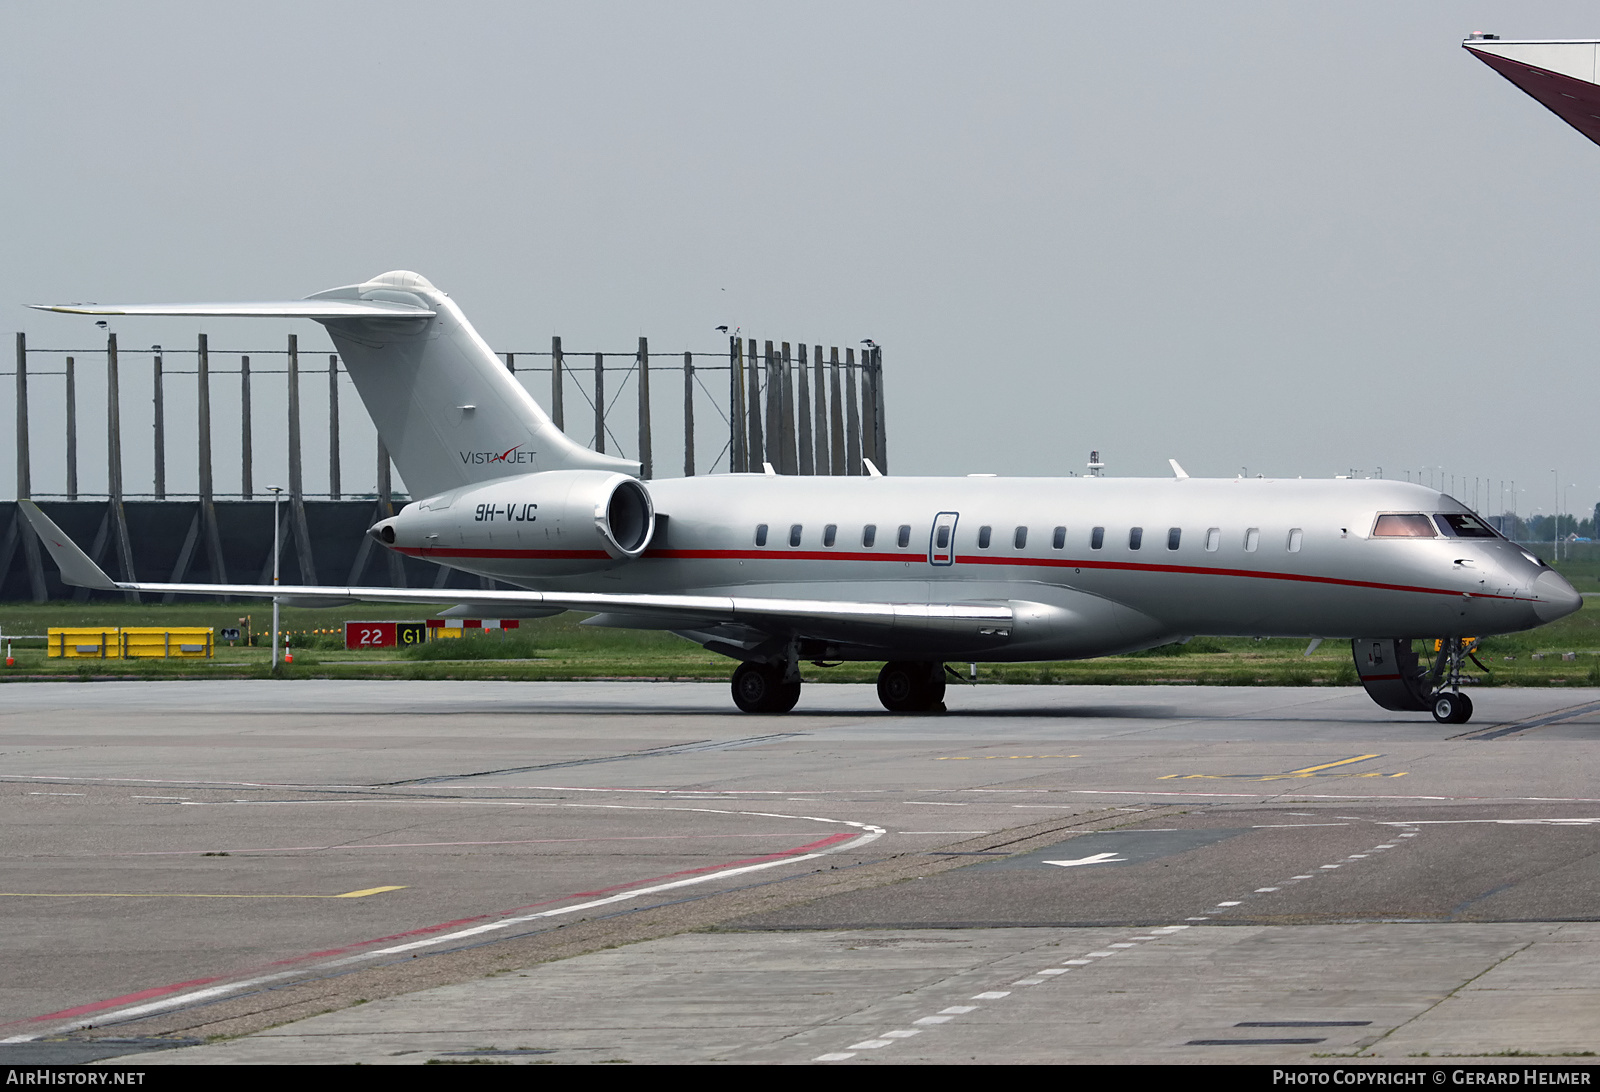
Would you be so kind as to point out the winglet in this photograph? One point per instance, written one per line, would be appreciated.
(872, 468)
(1178, 471)
(76, 568)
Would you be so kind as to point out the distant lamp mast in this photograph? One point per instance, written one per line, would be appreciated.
(277, 494)
(1095, 465)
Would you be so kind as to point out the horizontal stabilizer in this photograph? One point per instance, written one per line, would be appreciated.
(310, 309)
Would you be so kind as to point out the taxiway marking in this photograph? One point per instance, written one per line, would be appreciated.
(363, 893)
(1098, 858)
(179, 994)
(1307, 771)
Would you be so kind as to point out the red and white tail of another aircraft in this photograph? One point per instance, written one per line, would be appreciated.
(772, 570)
(1562, 74)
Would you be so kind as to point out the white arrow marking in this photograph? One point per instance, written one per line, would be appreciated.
(1098, 858)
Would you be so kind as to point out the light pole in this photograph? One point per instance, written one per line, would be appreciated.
(277, 494)
(1555, 534)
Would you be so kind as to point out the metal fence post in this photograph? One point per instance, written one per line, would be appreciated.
(119, 517)
(802, 406)
(159, 425)
(755, 447)
(247, 485)
(24, 530)
(646, 469)
(333, 426)
(297, 497)
(738, 459)
(600, 402)
(688, 415)
(852, 423)
(72, 429)
(558, 412)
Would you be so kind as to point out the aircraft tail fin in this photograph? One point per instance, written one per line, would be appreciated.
(447, 409)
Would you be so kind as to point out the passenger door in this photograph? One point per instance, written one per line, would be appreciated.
(942, 540)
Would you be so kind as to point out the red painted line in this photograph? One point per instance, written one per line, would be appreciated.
(780, 553)
(126, 999)
(1199, 570)
(533, 555)
(162, 991)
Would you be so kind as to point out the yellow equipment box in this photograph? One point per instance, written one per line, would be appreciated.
(131, 642)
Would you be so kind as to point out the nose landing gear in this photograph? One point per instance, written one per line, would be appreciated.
(1395, 677)
(1451, 708)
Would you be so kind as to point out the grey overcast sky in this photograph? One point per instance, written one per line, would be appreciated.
(1298, 238)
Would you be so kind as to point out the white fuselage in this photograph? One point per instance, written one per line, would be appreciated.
(1213, 556)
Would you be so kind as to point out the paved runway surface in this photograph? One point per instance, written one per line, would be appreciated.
(601, 871)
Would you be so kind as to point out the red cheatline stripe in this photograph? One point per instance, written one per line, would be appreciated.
(1130, 566)
(162, 991)
(780, 553)
(783, 554)
(537, 555)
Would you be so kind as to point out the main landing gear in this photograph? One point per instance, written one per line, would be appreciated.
(760, 688)
(1396, 678)
(904, 686)
(911, 686)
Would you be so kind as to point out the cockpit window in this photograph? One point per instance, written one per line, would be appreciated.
(1460, 525)
(1404, 526)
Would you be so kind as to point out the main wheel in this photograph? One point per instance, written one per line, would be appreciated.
(1451, 708)
(908, 686)
(759, 688)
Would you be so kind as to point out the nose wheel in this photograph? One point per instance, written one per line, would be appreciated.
(1450, 705)
(1451, 708)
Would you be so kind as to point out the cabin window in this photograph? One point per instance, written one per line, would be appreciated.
(1406, 526)
(1295, 535)
(761, 534)
(794, 534)
(1460, 525)
(983, 537)
(904, 538)
(1252, 539)
(869, 535)
(1213, 539)
(829, 534)
(1020, 538)
(1135, 537)
(1060, 540)
(941, 536)
(1097, 538)
(1174, 536)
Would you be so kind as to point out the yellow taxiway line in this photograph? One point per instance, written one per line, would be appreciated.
(363, 893)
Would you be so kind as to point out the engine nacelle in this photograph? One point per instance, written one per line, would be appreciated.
(549, 524)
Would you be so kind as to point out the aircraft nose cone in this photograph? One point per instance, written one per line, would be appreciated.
(1554, 597)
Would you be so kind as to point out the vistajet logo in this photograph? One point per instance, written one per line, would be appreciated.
(513, 455)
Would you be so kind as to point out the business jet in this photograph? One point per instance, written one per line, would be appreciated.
(775, 570)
